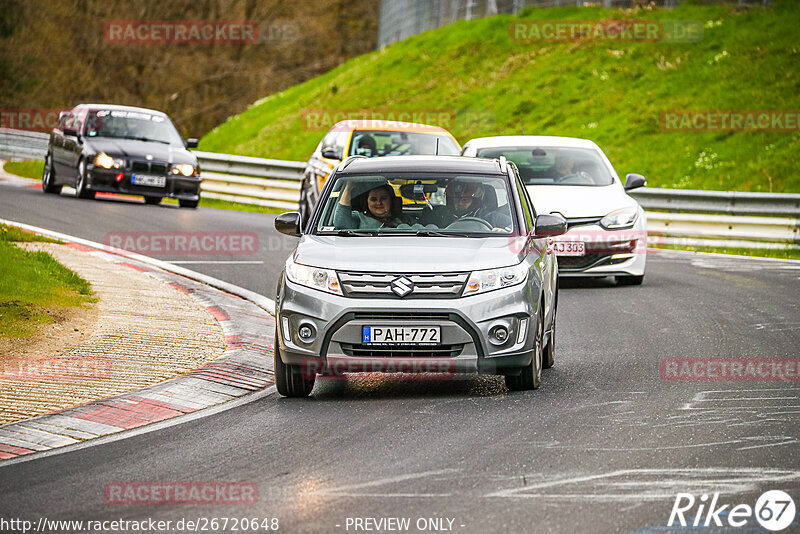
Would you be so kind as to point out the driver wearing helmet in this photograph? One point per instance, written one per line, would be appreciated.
(468, 199)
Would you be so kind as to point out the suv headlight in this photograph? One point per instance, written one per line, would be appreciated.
(182, 168)
(620, 219)
(491, 279)
(107, 162)
(313, 277)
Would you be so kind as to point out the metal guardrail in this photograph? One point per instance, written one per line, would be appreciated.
(711, 218)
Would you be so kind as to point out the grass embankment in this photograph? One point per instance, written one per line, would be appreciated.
(612, 93)
(34, 287)
(26, 169)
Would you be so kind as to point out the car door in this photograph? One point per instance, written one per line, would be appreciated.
(58, 158)
(69, 146)
(73, 144)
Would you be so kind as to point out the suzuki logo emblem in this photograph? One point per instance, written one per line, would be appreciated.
(402, 286)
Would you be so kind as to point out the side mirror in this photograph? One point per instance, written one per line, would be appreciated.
(632, 181)
(62, 114)
(549, 226)
(330, 153)
(288, 223)
(191, 143)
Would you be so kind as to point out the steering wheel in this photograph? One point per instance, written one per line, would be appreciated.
(456, 225)
(580, 174)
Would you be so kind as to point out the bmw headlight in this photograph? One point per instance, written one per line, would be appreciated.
(491, 279)
(313, 277)
(107, 162)
(620, 219)
(182, 168)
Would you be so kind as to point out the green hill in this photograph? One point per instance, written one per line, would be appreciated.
(612, 93)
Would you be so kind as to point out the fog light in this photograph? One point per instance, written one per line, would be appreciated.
(306, 333)
(523, 327)
(500, 334)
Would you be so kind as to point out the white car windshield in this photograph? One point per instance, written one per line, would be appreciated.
(420, 204)
(554, 165)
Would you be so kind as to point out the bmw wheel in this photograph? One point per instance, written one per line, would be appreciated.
(49, 177)
(80, 186)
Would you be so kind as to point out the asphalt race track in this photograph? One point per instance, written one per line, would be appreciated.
(604, 446)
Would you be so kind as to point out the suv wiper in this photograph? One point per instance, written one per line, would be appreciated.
(434, 233)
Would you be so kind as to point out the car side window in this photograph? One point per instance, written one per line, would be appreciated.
(62, 122)
(526, 208)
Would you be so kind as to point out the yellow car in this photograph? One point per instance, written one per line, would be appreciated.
(368, 138)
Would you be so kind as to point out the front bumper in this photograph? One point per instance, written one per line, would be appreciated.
(608, 253)
(465, 324)
(178, 187)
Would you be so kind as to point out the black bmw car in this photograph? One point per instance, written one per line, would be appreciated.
(121, 149)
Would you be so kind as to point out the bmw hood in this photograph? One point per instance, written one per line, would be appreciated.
(402, 255)
(133, 148)
(579, 201)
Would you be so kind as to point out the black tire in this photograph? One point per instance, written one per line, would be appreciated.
(289, 379)
(188, 203)
(629, 280)
(549, 356)
(152, 200)
(307, 201)
(49, 177)
(80, 184)
(530, 376)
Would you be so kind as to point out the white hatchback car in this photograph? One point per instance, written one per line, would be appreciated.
(607, 228)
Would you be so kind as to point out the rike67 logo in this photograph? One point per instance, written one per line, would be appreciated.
(774, 511)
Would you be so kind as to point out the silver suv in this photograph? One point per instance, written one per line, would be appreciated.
(431, 264)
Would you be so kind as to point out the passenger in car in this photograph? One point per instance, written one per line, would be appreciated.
(377, 208)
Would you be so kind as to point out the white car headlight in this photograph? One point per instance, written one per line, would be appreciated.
(620, 219)
(313, 277)
(107, 162)
(182, 168)
(491, 279)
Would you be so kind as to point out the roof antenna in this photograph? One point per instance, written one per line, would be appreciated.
(437, 146)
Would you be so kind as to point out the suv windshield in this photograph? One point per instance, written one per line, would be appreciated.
(123, 124)
(377, 143)
(554, 165)
(423, 204)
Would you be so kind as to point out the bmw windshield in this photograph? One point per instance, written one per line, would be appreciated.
(554, 165)
(422, 204)
(124, 124)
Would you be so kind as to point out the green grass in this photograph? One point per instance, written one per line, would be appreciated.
(26, 169)
(14, 234)
(613, 94)
(784, 254)
(34, 287)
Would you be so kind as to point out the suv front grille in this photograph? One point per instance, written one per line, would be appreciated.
(402, 316)
(430, 286)
(402, 351)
